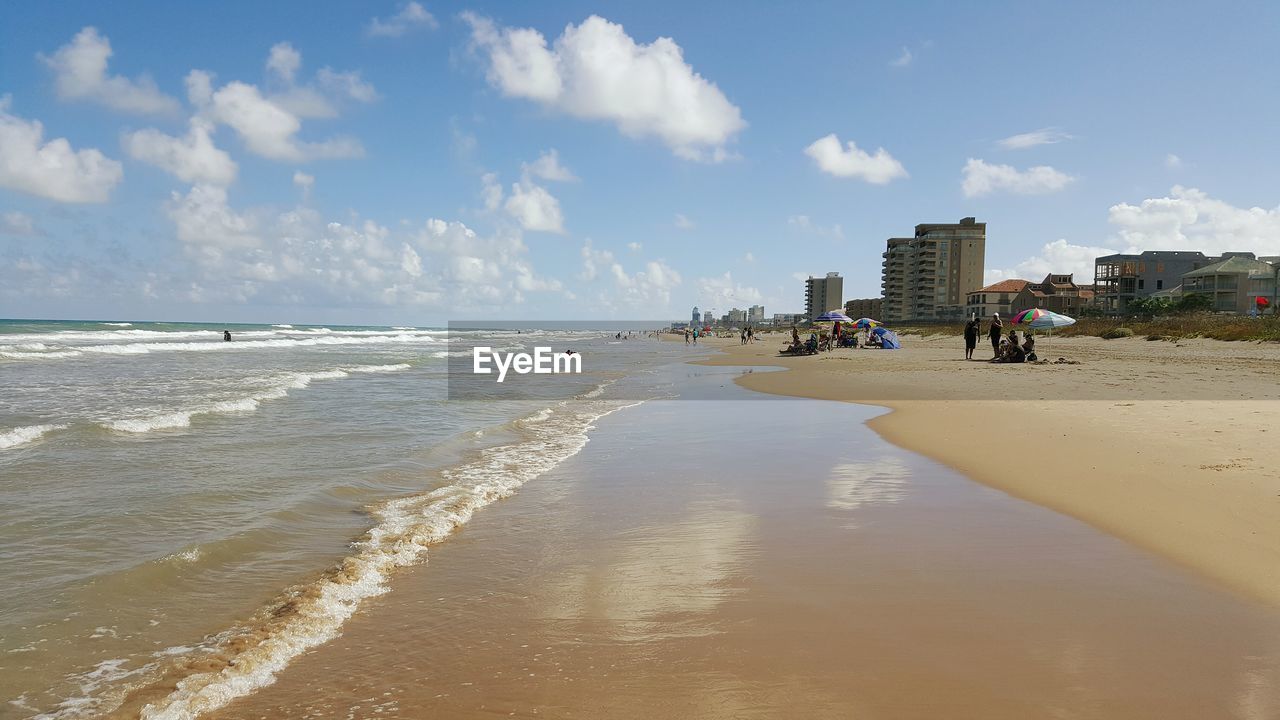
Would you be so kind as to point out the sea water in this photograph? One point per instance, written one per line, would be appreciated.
(176, 506)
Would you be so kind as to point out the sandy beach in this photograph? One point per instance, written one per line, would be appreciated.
(1168, 445)
(681, 566)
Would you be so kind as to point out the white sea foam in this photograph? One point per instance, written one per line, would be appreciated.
(404, 529)
(118, 324)
(23, 435)
(284, 326)
(275, 388)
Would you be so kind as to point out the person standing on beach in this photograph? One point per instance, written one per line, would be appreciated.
(970, 337)
(686, 336)
(993, 331)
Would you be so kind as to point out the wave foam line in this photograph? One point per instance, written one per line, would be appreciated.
(250, 403)
(23, 435)
(313, 614)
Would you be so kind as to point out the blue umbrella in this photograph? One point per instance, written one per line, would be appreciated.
(888, 338)
(833, 316)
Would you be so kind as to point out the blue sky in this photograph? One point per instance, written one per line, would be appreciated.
(419, 162)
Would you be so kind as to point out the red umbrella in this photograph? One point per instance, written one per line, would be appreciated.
(1262, 302)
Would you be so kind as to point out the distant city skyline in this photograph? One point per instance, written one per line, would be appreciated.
(414, 162)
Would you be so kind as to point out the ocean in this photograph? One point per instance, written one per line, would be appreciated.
(174, 507)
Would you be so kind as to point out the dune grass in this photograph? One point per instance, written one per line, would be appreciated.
(1174, 327)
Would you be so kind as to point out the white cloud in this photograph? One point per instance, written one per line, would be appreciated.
(51, 169)
(1043, 136)
(634, 246)
(683, 222)
(1188, 219)
(18, 223)
(596, 71)
(749, 257)
(296, 257)
(304, 182)
(319, 98)
(283, 61)
(1172, 161)
(981, 178)
(805, 224)
(411, 16)
(267, 128)
(534, 208)
(722, 292)
(548, 167)
(650, 287)
(833, 159)
(903, 59)
(1058, 256)
(80, 73)
(491, 191)
(193, 159)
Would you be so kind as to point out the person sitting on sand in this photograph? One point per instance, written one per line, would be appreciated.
(1029, 348)
(1015, 352)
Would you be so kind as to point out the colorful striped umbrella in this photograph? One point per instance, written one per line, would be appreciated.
(866, 323)
(1026, 317)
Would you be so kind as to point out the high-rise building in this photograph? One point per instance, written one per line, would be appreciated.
(708, 318)
(696, 316)
(823, 294)
(737, 316)
(863, 308)
(928, 276)
(755, 314)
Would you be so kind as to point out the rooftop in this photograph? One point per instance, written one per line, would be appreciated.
(1004, 286)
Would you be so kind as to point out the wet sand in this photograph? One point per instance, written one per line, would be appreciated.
(763, 557)
(1169, 445)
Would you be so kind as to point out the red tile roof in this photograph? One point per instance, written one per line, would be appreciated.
(1005, 286)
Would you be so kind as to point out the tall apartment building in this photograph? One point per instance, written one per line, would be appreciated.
(929, 276)
(823, 294)
(755, 314)
(708, 318)
(696, 317)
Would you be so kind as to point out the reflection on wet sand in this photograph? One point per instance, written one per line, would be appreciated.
(664, 581)
(882, 479)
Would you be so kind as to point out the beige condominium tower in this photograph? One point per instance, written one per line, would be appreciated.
(926, 277)
(823, 294)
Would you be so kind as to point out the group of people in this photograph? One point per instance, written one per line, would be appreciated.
(691, 333)
(1003, 349)
(748, 335)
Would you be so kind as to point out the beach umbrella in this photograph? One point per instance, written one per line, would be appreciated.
(833, 316)
(1038, 319)
(866, 323)
(888, 338)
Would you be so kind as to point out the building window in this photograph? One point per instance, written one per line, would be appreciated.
(1141, 283)
(1159, 284)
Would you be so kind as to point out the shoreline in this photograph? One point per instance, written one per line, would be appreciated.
(1185, 474)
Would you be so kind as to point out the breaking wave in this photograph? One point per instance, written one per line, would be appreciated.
(23, 435)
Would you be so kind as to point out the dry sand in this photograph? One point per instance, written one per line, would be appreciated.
(1169, 445)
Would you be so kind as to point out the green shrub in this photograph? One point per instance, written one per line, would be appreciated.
(1120, 332)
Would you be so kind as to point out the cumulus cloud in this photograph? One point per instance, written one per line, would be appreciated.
(193, 158)
(318, 98)
(18, 223)
(722, 291)
(51, 169)
(80, 73)
(411, 16)
(851, 162)
(1172, 161)
(683, 222)
(981, 178)
(649, 287)
(634, 246)
(1043, 136)
(1188, 219)
(298, 257)
(749, 257)
(266, 127)
(304, 182)
(534, 208)
(596, 71)
(1058, 256)
(805, 224)
(548, 167)
(903, 59)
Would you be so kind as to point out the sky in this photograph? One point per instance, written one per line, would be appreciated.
(420, 162)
